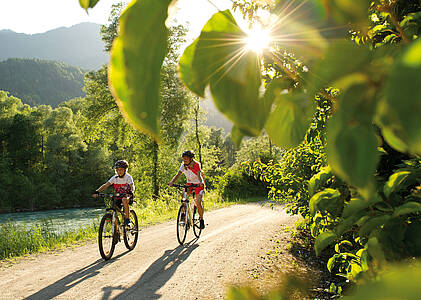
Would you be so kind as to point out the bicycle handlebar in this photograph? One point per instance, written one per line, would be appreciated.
(185, 186)
(110, 195)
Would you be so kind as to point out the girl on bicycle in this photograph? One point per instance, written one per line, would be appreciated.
(194, 175)
(123, 185)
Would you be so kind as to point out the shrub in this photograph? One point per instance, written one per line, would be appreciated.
(236, 184)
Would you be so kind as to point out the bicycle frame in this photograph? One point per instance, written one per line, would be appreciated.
(189, 207)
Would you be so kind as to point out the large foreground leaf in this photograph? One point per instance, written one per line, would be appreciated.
(218, 59)
(291, 118)
(136, 60)
(399, 111)
(351, 140)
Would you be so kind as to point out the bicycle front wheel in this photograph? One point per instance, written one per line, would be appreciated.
(196, 223)
(105, 237)
(131, 233)
(182, 224)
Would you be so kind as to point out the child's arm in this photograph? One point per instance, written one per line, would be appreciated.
(175, 178)
(100, 189)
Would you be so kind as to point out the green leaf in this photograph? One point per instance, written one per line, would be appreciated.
(394, 282)
(412, 238)
(136, 60)
(319, 179)
(327, 200)
(357, 204)
(395, 181)
(407, 208)
(218, 58)
(88, 3)
(341, 59)
(186, 71)
(290, 120)
(375, 250)
(351, 140)
(373, 223)
(398, 111)
(345, 11)
(346, 224)
(352, 151)
(323, 240)
(236, 136)
(303, 40)
(331, 262)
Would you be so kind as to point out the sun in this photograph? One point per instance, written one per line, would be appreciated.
(257, 39)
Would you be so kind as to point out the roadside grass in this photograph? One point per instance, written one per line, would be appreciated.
(18, 240)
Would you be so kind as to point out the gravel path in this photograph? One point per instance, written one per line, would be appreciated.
(158, 268)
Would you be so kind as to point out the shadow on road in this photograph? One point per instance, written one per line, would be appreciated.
(158, 273)
(73, 279)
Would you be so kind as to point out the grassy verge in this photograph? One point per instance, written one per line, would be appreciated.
(18, 240)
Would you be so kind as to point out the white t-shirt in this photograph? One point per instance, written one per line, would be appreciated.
(192, 176)
(122, 185)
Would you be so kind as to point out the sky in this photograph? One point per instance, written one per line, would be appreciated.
(38, 16)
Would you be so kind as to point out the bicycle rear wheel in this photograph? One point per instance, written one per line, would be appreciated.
(182, 224)
(131, 234)
(196, 223)
(105, 237)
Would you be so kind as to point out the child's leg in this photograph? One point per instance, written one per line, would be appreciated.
(199, 206)
(126, 207)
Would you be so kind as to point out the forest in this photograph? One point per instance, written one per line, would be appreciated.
(54, 157)
(36, 81)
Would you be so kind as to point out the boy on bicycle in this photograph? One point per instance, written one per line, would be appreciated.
(194, 175)
(123, 185)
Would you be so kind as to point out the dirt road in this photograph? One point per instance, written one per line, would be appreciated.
(158, 268)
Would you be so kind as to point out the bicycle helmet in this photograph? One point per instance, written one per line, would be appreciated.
(121, 164)
(188, 153)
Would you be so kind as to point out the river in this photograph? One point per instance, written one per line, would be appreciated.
(59, 220)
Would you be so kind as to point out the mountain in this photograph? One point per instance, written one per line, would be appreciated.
(36, 81)
(79, 45)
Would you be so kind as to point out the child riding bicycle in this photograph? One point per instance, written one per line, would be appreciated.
(194, 175)
(123, 185)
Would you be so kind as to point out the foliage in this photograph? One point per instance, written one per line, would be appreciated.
(37, 81)
(237, 184)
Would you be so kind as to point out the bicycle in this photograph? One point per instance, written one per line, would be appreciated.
(111, 228)
(190, 218)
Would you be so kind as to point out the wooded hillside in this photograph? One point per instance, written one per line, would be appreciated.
(36, 81)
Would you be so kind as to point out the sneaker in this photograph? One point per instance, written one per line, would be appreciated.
(202, 224)
(127, 222)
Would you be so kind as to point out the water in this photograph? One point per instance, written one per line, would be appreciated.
(60, 220)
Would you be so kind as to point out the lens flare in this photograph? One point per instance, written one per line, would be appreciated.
(257, 39)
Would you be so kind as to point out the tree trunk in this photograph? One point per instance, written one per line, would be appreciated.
(155, 148)
(196, 120)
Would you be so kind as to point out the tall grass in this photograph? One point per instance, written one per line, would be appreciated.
(17, 240)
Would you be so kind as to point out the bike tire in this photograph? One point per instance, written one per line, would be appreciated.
(131, 234)
(196, 223)
(182, 224)
(106, 241)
